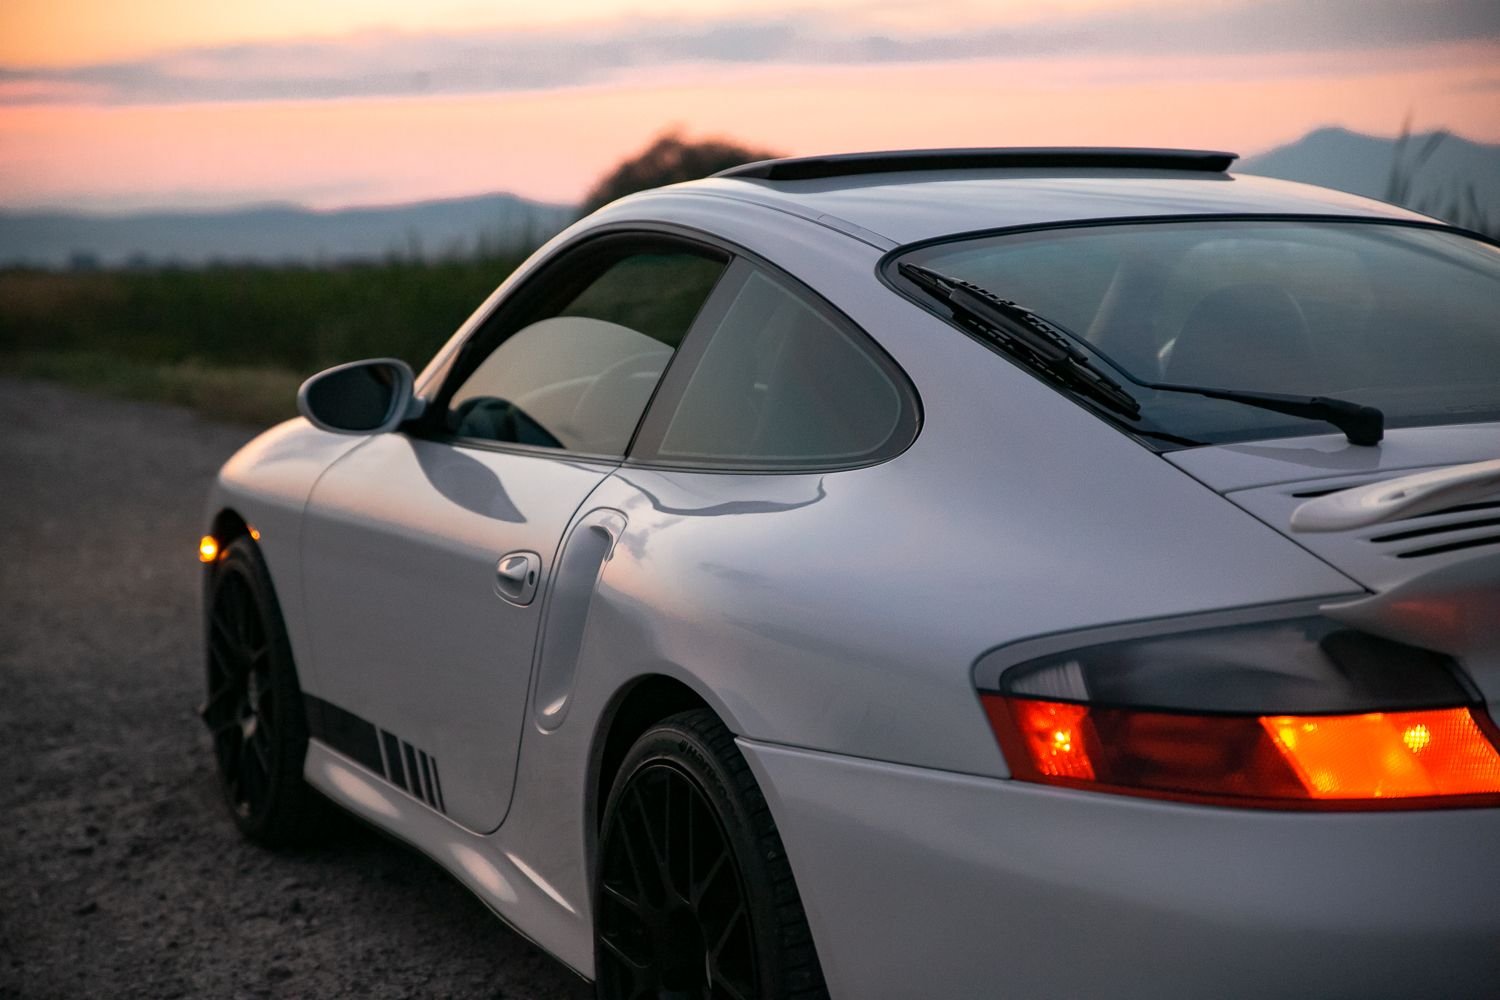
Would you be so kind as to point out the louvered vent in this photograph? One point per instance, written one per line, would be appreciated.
(1466, 526)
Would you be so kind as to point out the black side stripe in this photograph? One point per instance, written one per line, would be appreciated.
(344, 731)
(397, 775)
(437, 787)
(427, 779)
(401, 764)
(413, 776)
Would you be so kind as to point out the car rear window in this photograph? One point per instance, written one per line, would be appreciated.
(1399, 317)
(786, 384)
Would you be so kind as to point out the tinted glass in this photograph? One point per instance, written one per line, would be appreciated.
(1396, 317)
(578, 375)
(782, 384)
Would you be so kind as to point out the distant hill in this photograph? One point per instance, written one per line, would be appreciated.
(1361, 164)
(278, 233)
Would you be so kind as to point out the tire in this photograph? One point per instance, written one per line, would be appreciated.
(693, 894)
(254, 710)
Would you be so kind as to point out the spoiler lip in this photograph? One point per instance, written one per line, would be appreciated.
(1404, 496)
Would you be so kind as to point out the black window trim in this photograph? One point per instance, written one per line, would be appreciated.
(644, 452)
(464, 358)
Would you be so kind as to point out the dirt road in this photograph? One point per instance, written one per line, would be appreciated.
(119, 874)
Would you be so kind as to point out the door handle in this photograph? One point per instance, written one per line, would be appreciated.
(516, 576)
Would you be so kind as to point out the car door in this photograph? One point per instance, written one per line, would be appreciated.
(427, 553)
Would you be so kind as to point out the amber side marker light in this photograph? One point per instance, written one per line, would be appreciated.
(1426, 758)
(208, 549)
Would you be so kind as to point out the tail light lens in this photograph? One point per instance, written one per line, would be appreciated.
(1348, 743)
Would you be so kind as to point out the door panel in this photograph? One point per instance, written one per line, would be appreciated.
(409, 630)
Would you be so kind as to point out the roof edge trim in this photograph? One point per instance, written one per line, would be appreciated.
(800, 168)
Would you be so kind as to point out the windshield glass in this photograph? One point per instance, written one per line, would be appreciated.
(1402, 318)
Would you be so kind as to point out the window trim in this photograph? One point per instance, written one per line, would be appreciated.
(538, 282)
(645, 450)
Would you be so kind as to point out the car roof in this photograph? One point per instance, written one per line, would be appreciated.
(907, 200)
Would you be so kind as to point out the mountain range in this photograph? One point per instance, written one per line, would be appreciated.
(279, 234)
(1459, 180)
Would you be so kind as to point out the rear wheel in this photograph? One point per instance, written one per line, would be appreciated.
(694, 897)
(254, 709)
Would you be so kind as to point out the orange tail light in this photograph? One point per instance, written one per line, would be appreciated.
(1430, 757)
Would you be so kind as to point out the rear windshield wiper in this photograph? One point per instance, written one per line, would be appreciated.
(1051, 347)
(1025, 335)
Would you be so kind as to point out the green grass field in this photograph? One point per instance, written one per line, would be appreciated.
(231, 342)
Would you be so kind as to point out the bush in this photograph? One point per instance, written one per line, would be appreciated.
(668, 160)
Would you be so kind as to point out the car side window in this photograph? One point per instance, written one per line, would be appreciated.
(575, 367)
(786, 383)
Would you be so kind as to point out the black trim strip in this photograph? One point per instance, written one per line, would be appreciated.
(397, 775)
(346, 732)
(413, 775)
(426, 780)
(437, 786)
(402, 764)
(804, 168)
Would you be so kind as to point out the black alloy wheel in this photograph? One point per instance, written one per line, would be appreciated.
(254, 709)
(694, 898)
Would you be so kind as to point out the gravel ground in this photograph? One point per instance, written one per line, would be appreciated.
(120, 874)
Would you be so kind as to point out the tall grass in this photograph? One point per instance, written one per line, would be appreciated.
(1457, 205)
(231, 340)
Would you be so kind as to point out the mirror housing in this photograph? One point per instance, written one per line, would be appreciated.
(362, 397)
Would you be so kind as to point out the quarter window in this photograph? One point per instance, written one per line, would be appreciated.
(576, 366)
(784, 383)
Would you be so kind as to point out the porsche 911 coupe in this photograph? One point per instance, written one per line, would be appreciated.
(958, 573)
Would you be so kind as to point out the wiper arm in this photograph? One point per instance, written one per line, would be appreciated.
(1024, 335)
(1363, 425)
(1052, 348)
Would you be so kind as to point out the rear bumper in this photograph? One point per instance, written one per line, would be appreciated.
(921, 883)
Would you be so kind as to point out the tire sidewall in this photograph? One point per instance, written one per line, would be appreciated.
(268, 824)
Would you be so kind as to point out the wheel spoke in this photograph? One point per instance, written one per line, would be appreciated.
(623, 956)
(734, 921)
(632, 853)
(219, 729)
(619, 897)
(223, 698)
(248, 777)
(700, 888)
(261, 748)
(224, 633)
(720, 987)
(663, 875)
(263, 709)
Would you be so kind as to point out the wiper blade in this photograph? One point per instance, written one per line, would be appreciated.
(1024, 335)
(1363, 425)
(1050, 347)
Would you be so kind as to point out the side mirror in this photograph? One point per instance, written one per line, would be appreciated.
(362, 397)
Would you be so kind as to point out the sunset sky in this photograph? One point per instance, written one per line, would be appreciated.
(112, 105)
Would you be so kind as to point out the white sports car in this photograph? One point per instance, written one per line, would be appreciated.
(928, 574)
